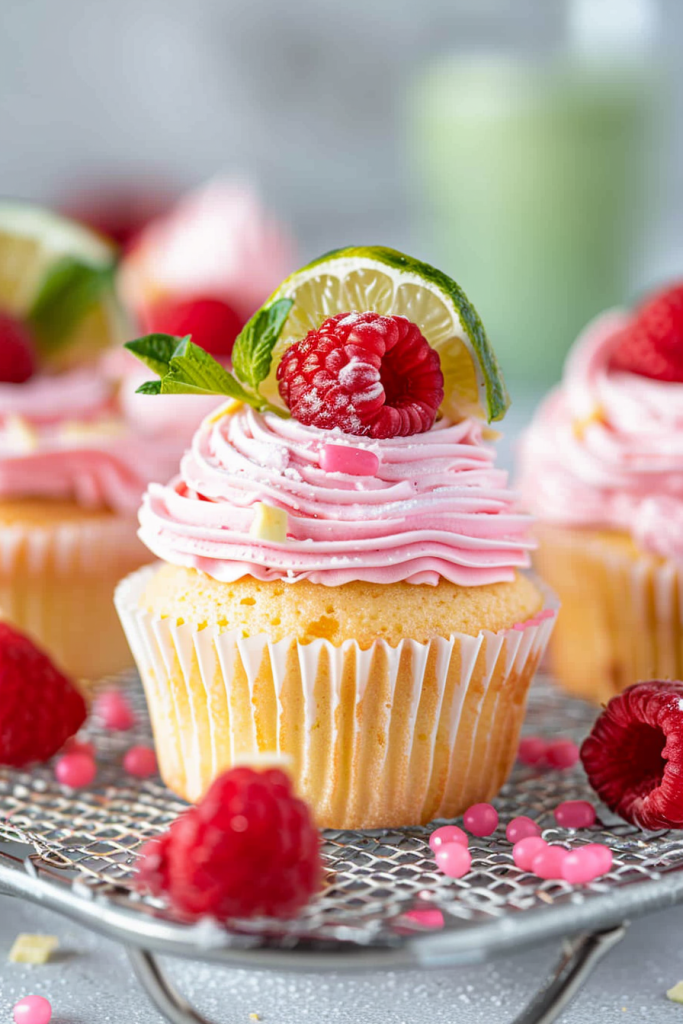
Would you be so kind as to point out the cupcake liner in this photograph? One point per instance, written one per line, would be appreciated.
(622, 613)
(56, 584)
(377, 737)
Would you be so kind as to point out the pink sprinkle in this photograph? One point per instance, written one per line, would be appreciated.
(115, 711)
(74, 746)
(562, 754)
(32, 1010)
(575, 814)
(532, 750)
(522, 828)
(548, 863)
(432, 918)
(447, 834)
(525, 850)
(580, 866)
(339, 458)
(454, 860)
(140, 761)
(75, 770)
(481, 819)
(603, 856)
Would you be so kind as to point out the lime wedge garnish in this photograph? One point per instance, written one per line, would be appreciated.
(387, 282)
(58, 276)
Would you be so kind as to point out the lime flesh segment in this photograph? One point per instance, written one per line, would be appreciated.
(389, 283)
(32, 242)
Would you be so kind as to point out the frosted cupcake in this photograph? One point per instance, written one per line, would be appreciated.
(602, 468)
(203, 269)
(72, 469)
(342, 574)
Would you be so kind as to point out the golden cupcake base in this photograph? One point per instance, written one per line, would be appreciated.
(373, 735)
(621, 611)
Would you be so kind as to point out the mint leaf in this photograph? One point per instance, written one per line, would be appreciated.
(68, 290)
(253, 350)
(150, 387)
(154, 350)
(193, 370)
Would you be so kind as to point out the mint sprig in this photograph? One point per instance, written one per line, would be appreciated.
(67, 291)
(185, 368)
(253, 350)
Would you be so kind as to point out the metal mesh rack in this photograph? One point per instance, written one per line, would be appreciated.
(383, 904)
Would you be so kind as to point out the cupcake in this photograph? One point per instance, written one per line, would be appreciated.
(342, 577)
(602, 469)
(202, 268)
(72, 469)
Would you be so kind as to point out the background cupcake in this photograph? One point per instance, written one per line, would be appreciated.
(342, 579)
(602, 468)
(71, 466)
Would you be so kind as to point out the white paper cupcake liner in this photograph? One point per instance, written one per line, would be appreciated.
(377, 737)
(56, 584)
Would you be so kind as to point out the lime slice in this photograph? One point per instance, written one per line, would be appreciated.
(58, 276)
(387, 282)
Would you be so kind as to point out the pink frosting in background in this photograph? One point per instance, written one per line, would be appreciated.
(66, 437)
(436, 506)
(217, 241)
(605, 449)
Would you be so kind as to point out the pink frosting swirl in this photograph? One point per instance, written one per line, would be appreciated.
(606, 448)
(66, 437)
(436, 506)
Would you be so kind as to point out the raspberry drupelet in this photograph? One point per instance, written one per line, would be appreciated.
(367, 374)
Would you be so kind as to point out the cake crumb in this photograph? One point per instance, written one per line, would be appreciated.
(254, 1016)
(33, 949)
(675, 994)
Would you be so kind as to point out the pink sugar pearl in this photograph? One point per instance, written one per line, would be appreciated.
(532, 750)
(580, 866)
(428, 918)
(548, 863)
(74, 746)
(525, 850)
(575, 814)
(603, 855)
(140, 761)
(453, 859)
(522, 828)
(115, 711)
(32, 1010)
(75, 770)
(447, 834)
(339, 458)
(562, 754)
(480, 819)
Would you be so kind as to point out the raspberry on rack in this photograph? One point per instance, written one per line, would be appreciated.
(634, 755)
(249, 848)
(40, 709)
(364, 373)
(652, 346)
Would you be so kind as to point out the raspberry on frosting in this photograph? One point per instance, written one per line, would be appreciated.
(17, 358)
(364, 373)
(212, 322)
(652, 344)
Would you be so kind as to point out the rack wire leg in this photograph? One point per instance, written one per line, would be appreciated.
(578, 961)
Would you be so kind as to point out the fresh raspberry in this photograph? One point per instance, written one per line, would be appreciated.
(39, 707)
(17, 359)
(652, 345)
(248, 848)
(213, 324)
(364, 373)
(634, 755)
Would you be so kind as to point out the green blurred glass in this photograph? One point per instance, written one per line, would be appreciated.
(536, 183)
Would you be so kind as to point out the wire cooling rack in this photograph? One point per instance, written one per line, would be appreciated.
(384, 904)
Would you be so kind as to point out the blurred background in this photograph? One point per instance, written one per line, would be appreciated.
(532, 149)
